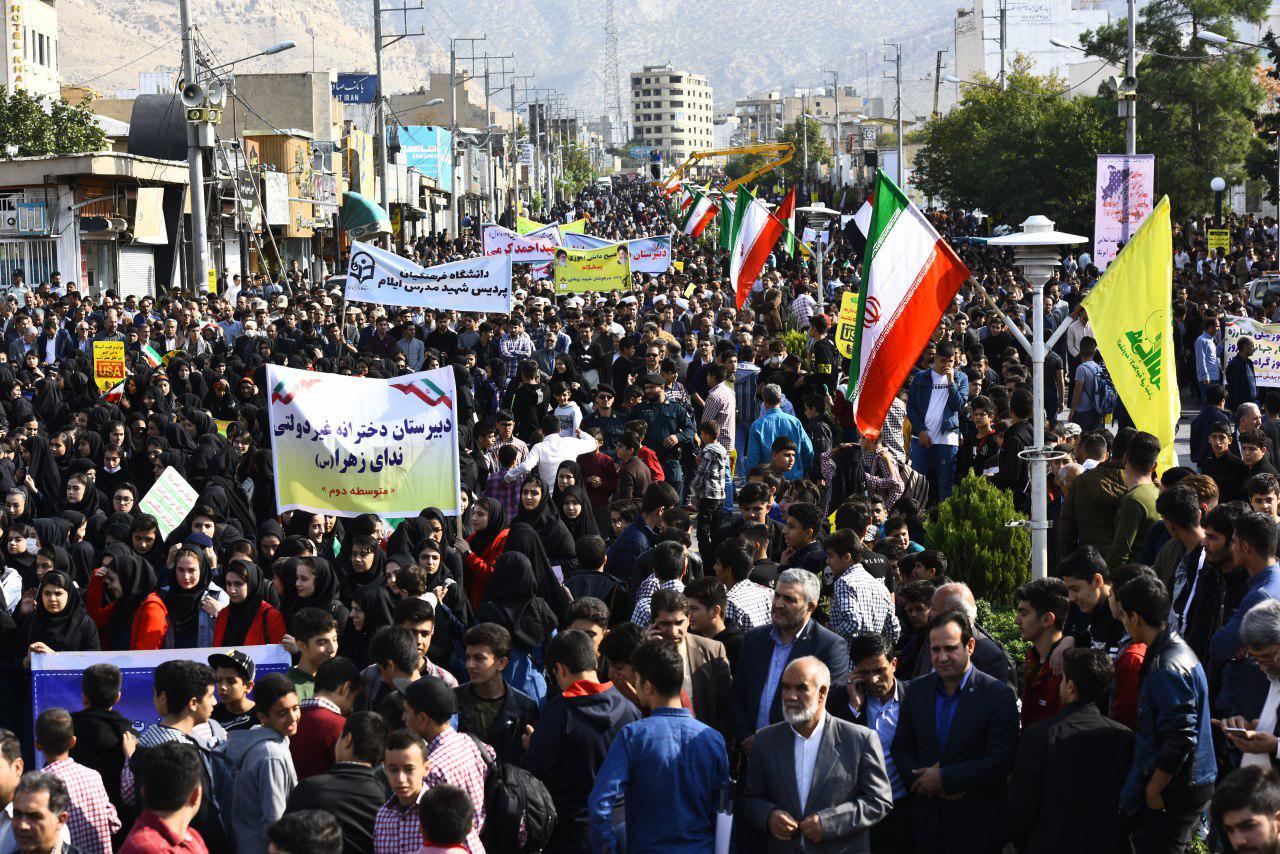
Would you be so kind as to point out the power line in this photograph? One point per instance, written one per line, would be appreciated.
(133, 61)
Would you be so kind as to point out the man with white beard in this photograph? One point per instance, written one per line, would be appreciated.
(837, 787)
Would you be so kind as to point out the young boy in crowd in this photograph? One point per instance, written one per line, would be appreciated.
(804, 549)
(1264, 494)
(315, 633)
(100, 728)
(235, 671)
(263, 767)
(1041, 610)
(706, 489)
(490, 708)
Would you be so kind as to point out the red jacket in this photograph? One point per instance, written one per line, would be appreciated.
(267, 627)
(1124, 691)
(650, 459)
(601, 466)
(319, 729)
(480, 567)
(1040, 700)
(150, 621)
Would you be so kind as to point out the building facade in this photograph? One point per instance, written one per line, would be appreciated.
(1029, 25)
(671, 111)
(31, 46)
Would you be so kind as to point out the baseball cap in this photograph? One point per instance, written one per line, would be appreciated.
(651, 379)
(430, 696)
(236, 660)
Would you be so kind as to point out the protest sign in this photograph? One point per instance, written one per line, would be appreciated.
(1124, 195)
(346, 445)
(648, 254)
(55, 676)
(1266, 339)
(474, 284)
(605, 269)
(108, 364)
(846, 324)
(536, 246)
(169, 500)
(1219, 238)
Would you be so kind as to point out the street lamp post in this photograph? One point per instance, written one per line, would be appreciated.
(1217, 185)
(1036, 249)
(819, 216)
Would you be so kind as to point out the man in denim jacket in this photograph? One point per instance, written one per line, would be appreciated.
(1173, 769)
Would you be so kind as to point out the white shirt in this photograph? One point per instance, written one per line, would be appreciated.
(1266, 723)
(937, 409)
(547, 455)
(806, 756)
(11, 587)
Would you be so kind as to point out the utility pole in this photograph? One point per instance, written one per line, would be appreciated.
(804, 134)
(1131, 103)
(835, 149)
(454, 208)
(937, 81)
(1004, 39)
(491, 169)
(380, 43)
(199, 267)
(896, 59)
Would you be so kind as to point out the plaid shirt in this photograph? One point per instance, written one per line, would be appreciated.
(514, 350)
(373, 690)
(749, 605)
(708, 480)
(891, 432)
(722, 408)
(456, 759)
(93, 818)
(505, 492)
(861, 604)
(209, 733)
(396, 829)
(641, 616)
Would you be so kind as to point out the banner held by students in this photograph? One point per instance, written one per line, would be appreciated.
(347, 445)
(1266, 343)
(474, 284)
(605, 269)
(170, 499)
(535, 247)
(648, 254)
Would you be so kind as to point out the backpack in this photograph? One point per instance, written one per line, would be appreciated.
(1105, 398)
(515, 799)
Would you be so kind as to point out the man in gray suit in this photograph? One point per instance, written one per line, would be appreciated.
(813, 778)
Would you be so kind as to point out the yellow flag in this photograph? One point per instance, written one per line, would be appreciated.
(1131, 310)
(578, 226)
(524, 225)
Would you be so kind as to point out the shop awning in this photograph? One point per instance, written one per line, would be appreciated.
(362, 217)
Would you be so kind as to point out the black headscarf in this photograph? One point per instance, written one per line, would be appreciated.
(240, 616)
(550, 529)
(376, 603)
(43, 469)
(522, 539)
(511, 600)
(184, 605)
(69, 630)
(137, 582)
(482, 539)
(585, 524)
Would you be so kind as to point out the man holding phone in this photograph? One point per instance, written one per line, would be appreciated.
(1260, 633)
(873, 699)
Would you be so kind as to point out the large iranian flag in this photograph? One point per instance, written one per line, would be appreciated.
(699, 214)
(909, 277)
(757, 233)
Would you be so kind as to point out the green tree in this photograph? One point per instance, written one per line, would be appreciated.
(1195, 102)
(1261, 161)
(578, 171)
(819, 151)
(1018, 152)
(972, 530)
(39, 126)
(738, 166)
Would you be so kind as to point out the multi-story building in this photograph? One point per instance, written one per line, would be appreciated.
(31, 46)
(671, 111)
(759, 116)
(1029, 27)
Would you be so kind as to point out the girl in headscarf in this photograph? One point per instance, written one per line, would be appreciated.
(42, 468)
(123, 602)
(575, 511)
(568, 473)
(80, 495)
(443, 530)
(524, 540)
(317, 587)
(511, 600)
(270, 536)
(539, 513)
(365, 565)
(370, 610)
(59, 622)
(485, 546)
(193, 601)
(220, 402)
(249, 618)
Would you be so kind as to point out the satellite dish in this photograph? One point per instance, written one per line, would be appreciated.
(193, 95)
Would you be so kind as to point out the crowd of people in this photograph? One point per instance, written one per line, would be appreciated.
(684, 599)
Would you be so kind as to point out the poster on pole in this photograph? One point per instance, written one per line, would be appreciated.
(1266, 340)
(1219, 238)
(55, 676)
(1125, 194)
(592, 270)
(108, 364)
(535, 247)
(169, 500)
(344, 445)
(847, 324)
(473, 284)
(648, 254)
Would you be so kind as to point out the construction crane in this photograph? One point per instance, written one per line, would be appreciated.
(782, 151)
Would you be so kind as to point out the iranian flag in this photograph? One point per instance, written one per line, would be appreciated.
(757, 233)
(724, 225)
(114, 394)
(909, 277)
(151, 357)
(698, 215)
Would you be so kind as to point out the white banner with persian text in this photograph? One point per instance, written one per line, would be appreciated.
(474, 284)
(535, 247)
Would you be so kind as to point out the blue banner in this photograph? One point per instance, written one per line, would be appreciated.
(427, 149)
(357, 88)
(55, 677)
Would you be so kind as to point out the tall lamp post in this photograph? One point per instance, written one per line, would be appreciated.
(1217, 185)
(819, 216)
(1037, 250)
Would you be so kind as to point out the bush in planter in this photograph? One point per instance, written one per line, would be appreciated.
(971, 529)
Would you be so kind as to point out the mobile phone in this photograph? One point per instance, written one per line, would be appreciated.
(1235, 730)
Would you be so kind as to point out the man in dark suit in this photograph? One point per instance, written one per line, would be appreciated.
(988, 655)
(350, 790)
(63, 344)
(955, 742)
(1072, 765)
(766, 651)
(815, 780)
(873, 699)
(706, 662)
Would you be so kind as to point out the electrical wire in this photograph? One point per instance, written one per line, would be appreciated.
(133, 61)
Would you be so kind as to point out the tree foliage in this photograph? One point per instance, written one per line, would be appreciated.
(1195, 102)
(983, 551)
(1261, 162)
(39, 126)
(789, 174)
(1018, 152)
(578, 171)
